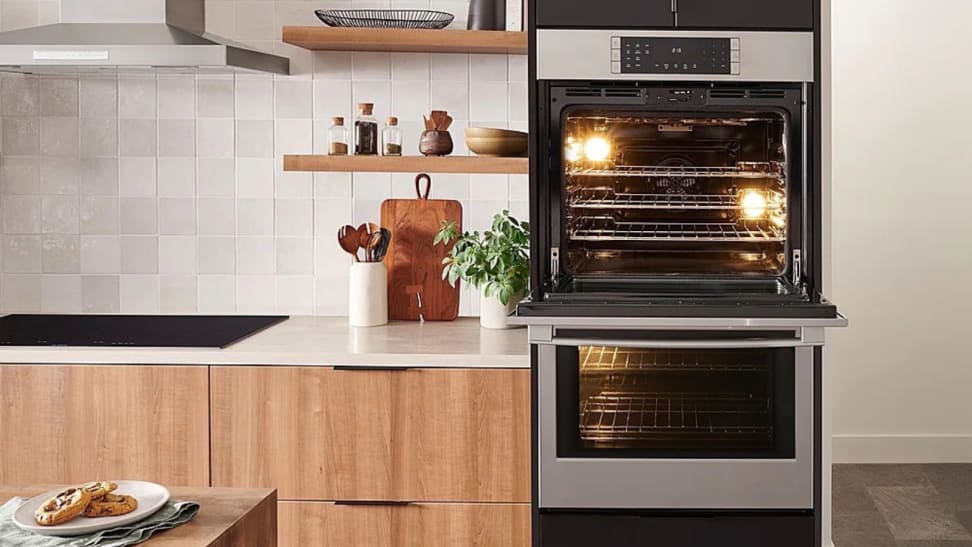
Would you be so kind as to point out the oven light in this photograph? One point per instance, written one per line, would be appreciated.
(597, 149)
(574, 151)
(753, 204)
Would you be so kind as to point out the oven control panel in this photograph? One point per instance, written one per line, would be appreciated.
(656, 55)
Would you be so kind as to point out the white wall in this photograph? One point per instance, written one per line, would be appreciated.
(166, 193)
(902, 223)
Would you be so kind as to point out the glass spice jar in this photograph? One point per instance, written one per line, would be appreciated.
(365, 131)
(391, 137)
(337, 137)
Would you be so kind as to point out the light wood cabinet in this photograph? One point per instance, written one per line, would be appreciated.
(415, 525)
(68, 424)
(418, 435)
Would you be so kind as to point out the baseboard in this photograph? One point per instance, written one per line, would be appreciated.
(902, 448)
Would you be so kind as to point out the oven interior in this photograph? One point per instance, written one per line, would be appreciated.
(621, 401)
(665, 194)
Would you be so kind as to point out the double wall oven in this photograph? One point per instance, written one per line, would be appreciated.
(675, 315)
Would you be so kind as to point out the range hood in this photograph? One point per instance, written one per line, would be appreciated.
(130, 36)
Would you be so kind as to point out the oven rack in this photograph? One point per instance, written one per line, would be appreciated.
(603, 359)
(605, 228)
(606, 198)
(741, 171)
(652, 416)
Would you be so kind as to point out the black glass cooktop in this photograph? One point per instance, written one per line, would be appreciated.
(169, 331)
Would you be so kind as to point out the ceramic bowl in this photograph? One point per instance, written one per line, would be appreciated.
(487, 141)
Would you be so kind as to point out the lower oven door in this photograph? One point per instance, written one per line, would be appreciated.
(676, 420)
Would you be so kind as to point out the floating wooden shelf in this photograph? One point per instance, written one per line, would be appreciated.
(407, 164)
(410, 40)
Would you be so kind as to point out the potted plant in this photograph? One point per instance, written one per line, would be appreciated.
(497, 262)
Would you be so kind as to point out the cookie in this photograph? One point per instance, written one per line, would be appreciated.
(63, 507)
(110, 505)
(98, 489)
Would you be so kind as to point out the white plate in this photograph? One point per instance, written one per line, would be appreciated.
(151, 497)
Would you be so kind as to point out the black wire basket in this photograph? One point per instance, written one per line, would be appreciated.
(385, 18)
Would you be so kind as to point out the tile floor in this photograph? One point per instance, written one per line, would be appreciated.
(927, 505)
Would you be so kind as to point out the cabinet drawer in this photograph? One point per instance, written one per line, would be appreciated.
(415, 525)
(71, 424)
(416, 435)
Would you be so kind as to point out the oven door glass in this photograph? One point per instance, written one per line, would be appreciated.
(676, 420)
(621, 402)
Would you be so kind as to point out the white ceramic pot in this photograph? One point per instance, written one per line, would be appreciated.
(368, 294)
(493, 314)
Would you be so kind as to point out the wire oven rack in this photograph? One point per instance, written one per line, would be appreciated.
(608, 198)
(650, 416)
(742, 170)
(603, 359)
(605, 228)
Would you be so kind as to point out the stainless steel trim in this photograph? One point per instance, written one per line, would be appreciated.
(570, 54)
(593, 483)
(674, 323)
(688, 344)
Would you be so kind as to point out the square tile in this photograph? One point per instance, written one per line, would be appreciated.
(99, 215)
(255, 256)
(331, 295)
(370, 65)
(216, 137)
(99, 294)
(217, 255)
(20, 175)
(254, 139)
(176, 96)
(449, 66)
(139, 216)
(59, 97)
(294, 217)
(254, 99)
(137, 137)
(254, 217)
(256, 294)
(60, 294)
(216, 176)
(100, 254)
(139, 254)
(254, 178)
(99, 176)
(21, 293)
(217, 294)
(137, 177)
(60, 176)
(99, 137)
(177, 177)
(217, 216)
(295, 294)
(21, 136)
(488, 68)
(19, 95)
(295, 255)
(137, 97)
(177, 138)
(177, 255)
(59, 215)
(98, 97)
(21, 214)
(215, 98)
(139, 294)
(60, 254)
(21, 254)
(293, 99)
(178, 294)
(177, 216)
(59, 137)
(333, 98)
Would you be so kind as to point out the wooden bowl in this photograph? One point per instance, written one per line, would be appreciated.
(487, 141)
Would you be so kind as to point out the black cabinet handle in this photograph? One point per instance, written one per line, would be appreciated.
(370, 368)
(373, 503)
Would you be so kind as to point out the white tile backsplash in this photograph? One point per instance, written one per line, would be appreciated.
(165, 193)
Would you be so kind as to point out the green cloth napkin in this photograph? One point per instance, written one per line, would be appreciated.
(172, 514)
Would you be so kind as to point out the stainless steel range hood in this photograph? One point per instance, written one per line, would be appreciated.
(130, 36)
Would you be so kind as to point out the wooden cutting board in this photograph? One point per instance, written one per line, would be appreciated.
(416, 289)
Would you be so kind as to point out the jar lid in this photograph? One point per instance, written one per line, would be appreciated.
(366, 108)
(392, 120)
(337, 120)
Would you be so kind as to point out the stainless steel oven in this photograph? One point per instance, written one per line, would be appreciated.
(676, 419)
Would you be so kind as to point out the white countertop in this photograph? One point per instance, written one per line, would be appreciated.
(320, 341)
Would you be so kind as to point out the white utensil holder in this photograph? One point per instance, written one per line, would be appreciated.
(368, 294)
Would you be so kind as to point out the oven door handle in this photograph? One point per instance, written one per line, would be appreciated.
(690, 344)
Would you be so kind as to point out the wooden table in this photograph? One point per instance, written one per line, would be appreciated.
(228, 517)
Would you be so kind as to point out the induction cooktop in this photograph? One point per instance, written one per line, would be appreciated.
(160, 331)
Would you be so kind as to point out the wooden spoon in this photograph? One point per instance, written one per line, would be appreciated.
(349, 240)
(364, 236)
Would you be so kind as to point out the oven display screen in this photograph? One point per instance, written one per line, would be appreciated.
(676, 56)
